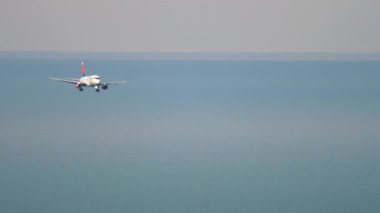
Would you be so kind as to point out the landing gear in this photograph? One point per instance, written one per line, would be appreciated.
(80, 89)
(97, 90)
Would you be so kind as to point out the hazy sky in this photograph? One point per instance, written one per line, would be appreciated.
(190, 25)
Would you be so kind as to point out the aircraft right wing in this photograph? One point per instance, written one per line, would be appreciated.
(70, 81)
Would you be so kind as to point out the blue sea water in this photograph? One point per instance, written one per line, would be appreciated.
(191, 136)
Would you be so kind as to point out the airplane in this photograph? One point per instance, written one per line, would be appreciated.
(88, 81)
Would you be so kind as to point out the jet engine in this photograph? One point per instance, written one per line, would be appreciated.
(104, 87)
(79, 86)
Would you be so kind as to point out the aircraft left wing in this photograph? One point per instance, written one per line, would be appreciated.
(114, 82)
(70, 81)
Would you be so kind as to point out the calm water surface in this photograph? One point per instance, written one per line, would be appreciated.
(191, 136)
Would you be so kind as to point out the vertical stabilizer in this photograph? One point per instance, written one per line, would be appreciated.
(83, 71)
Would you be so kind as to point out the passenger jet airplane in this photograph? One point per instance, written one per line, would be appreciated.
(88, 81)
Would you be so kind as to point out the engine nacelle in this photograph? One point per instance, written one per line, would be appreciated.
(79, 87)
(104, 87)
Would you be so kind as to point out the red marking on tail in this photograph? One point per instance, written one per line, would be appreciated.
(83, 70)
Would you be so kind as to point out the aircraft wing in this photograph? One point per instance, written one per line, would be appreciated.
(70, 81)
(114, 82)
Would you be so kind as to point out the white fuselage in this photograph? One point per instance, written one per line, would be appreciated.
(90, 81)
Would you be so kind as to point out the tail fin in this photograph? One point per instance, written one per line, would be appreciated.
(83, 71)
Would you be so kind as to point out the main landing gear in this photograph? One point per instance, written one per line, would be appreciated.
(97, 89)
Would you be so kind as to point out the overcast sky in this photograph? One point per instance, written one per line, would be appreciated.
(190, 25)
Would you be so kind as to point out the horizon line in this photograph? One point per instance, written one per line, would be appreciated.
(210, 55)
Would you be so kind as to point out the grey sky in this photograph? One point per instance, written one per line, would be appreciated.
(185, 25)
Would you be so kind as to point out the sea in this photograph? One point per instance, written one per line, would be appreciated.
(191, 136)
